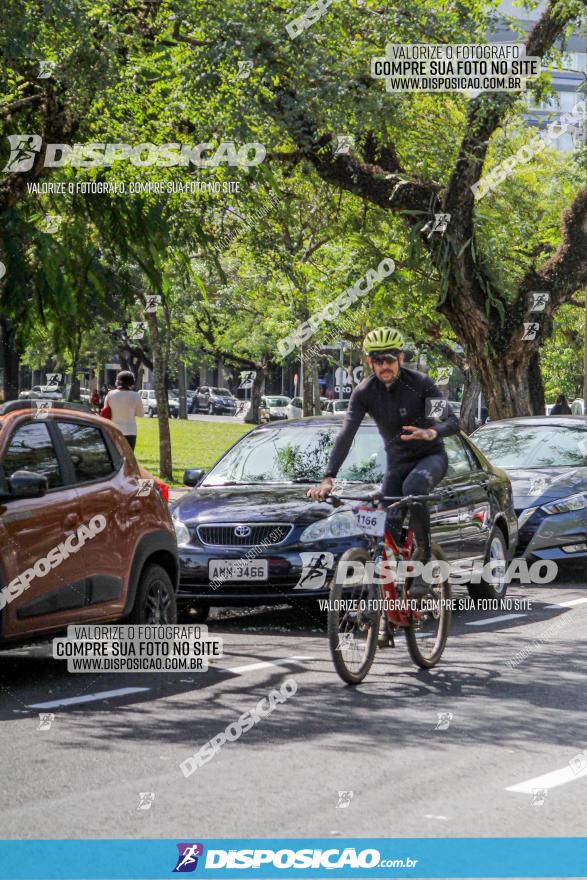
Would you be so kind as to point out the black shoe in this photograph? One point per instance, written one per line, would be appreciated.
(383, 636)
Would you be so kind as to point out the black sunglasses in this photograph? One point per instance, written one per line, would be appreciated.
(380, 359)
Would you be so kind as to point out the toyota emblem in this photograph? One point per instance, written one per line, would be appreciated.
(242, 531)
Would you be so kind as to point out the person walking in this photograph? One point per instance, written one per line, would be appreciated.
(103, 393)
(95, 400)
(125, 405)
(561, 407)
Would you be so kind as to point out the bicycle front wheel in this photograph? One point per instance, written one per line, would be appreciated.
(428, 631)
(353, 623)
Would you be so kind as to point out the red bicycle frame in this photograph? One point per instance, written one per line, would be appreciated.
(397, 615)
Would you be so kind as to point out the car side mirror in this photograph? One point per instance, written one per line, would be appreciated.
(193, 476)
(26, 484)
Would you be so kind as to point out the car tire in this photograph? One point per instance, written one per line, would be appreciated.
(210, 409)
(192, 613)
(150, 412)
(155, 599)
(495, 588)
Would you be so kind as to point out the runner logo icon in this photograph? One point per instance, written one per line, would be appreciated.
(315, 569)
(187, 860)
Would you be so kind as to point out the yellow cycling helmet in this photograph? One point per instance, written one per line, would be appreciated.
(383, 339)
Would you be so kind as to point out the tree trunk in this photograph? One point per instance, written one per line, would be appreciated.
(9, 360)
(310, 381)
(471, 392)
(181, 381)
(159, 369)
(536, 386)
(585, 360)
(74, 386)
(511, 386)
(252, 416)
(316, 383)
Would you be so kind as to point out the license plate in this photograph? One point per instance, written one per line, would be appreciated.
(236, 570)
(372, 522)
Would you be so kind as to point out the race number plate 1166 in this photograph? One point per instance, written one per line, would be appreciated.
(372, 522)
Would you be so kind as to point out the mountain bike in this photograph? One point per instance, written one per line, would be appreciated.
(357, 602)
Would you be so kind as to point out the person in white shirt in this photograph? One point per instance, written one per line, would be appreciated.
(125, 404)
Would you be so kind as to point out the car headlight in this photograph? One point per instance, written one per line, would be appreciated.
(525, 516)
(566, 505)
(339, 525)
(182, 532)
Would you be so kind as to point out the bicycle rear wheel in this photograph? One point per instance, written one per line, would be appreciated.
(427, 635)
(353, 624)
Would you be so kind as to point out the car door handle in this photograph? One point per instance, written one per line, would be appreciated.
(71, 521)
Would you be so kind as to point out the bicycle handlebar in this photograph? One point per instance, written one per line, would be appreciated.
(376, 497)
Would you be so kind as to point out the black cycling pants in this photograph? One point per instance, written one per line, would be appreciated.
(415, 478)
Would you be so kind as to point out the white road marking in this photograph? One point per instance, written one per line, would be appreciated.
(88, 698)
(251, 667)
(568, 604)
(432, 816)
(548, 780)
(494, 619)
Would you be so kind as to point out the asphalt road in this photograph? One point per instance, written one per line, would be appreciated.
(86, 775)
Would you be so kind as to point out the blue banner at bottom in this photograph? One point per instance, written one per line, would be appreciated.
(360, 857)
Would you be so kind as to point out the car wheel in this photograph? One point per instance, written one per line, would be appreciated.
(150, 412)
(210, 409)
(194, 613)
(155, 599)
(495, 586)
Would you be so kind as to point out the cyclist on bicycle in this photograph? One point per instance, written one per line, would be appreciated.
(397, 398)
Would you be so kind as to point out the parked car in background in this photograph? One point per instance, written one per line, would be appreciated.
(546, 460)
(75, 504)
(213, 401)
(247, 533)
(295, 408)
(149, 401)
(578, 407)
(336, 407)
(48, 392)
(273, 408)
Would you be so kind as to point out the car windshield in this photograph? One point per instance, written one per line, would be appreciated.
(340, 405)
(277, 401)
(223, 392)
(298, 454)
(533, 446)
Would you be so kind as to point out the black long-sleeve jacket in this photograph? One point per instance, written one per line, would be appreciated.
(404, 403)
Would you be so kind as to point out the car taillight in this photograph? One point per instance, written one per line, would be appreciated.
(163, 489)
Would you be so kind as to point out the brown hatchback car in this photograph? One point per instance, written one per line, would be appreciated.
(85, 533)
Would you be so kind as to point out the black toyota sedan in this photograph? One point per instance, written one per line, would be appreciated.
(545, 457)
(248, 534)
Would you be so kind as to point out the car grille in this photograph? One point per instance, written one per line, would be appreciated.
(223, 534)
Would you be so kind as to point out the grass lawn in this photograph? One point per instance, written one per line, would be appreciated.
(193, 444)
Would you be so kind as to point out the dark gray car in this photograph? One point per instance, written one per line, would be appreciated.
(247, 526)
(545, 457)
